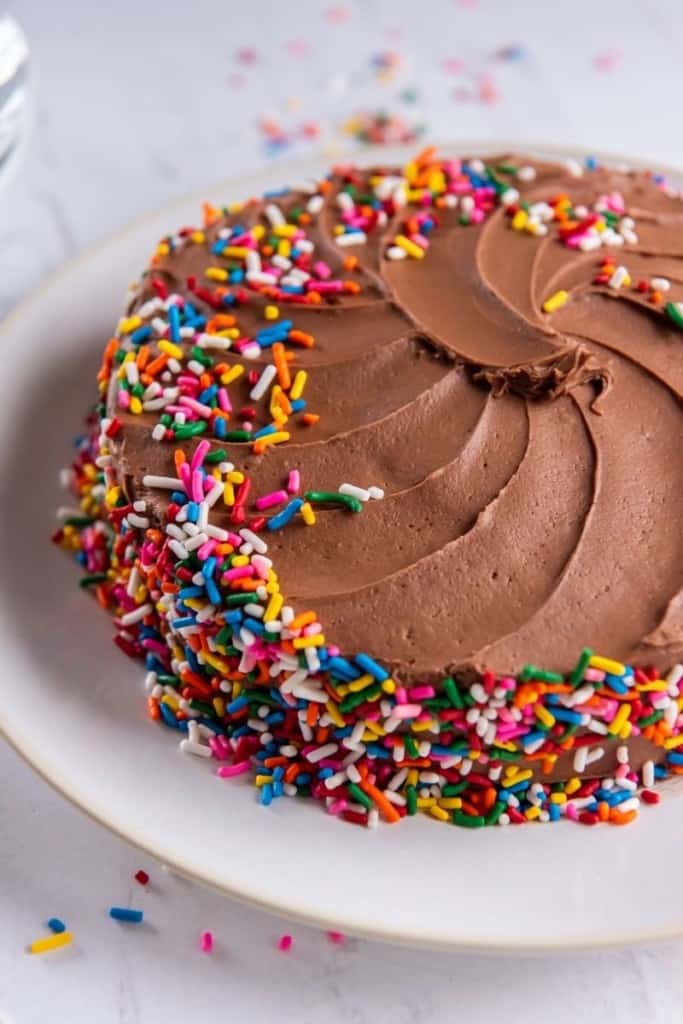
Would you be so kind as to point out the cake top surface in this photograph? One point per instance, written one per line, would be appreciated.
(494, 346)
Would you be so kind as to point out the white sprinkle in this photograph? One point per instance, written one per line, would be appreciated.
(376, 493)
(165, 483)
(662, 284)
(509, 196)
(178, 549)
(142, 522)
(574, 168)
(351, 238)
(355, 492)
(319, 753)
(133, 581)
(263, 383)
(158, 432)
(594, 754)
(675, 675)
(395, 252)
(197, 749)
(256, 542)
(315, 204)
(622, 754)
(618, 277)
(580, 759)
(137, 615)
(648, 774)
(274, 215)
(526, 173)
(214, 341)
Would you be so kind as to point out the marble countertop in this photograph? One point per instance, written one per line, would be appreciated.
(136, 104)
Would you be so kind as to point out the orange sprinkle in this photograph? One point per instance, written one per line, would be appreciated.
(603, 810)
(153, 708)
(302, 619)
(350, 262)
(620, 818)
(310, 418)
(178, 458)
(281, 365)
(301, 338)
(388, 811)
(142, 356)
(211, 214)
(351, 287)
(157, 364)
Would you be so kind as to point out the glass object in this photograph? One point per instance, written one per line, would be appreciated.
(14, 92)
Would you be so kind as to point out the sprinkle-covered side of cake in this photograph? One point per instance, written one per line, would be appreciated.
(384, 486)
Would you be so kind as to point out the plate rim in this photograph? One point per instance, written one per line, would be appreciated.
(286, 907)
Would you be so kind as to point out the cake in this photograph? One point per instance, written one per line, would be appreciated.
(383, 484)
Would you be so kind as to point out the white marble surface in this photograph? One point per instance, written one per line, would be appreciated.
(137, 103)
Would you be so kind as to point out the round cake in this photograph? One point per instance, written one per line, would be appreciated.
(382, 486)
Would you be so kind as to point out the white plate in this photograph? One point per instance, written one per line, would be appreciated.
(73, 706)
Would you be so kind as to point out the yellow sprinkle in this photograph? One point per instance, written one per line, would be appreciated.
(51, 942)
(519, 220)
(285, 230)
(342, 690)
(261, 780)
(235, 476)
(240, 560)
(430, 726)
(410, 247)
(544, 716)
(657, 686)
(300, 642)
(228, 494)
(196, 604)
(135, 405)
(439, 813)
(216, 274)
(389, 686)
(279, 437)
(426, 801)
(412, 777)
(232, 374)
(129, 324)
(555, 301)
(673, 742)
(517, 776)
(170, 701)
(198, 237)
(297, 388)
(558, 798)
(451, 803)
(284, 247)
(506, 746)
(620, 720)
(361, 683)
(374, 729)
(333, 712)
(271, 312)
(237, 252)
(613, 668)
(532, 813)
(258, 231)
(215, 662)
(112, 496)
(219, 706)
(307, 514)
(572, 786)
(273, 608)
(163, 249)
(175, 351)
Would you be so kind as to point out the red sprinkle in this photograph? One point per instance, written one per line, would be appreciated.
(649, 797)
(141, 876)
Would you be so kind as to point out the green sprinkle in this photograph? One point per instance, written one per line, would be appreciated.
(468, 820)
(358, 794)
(334, 498)
(220, 455)
(411, 747)
(650, 719)
(674, 311)
(79, 521)
(495, 813)
(235, 600)
(411, 800)
(225, 636)
(237, 435)
(96, 577)
(205, 709)
(200, 355)
(454, 788)
(187, 430)
(453, 693)
(505, 755)
(506, 169)
(354, 700)
(582, 664)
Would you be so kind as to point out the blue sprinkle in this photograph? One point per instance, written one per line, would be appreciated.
(174, 323)
(208, 567)
(264, 431)
(266, 794)
(303, 779)
(342, 669)
(674, 758)
(237, 704)
(616, 683)
(381, 753)
(288, 513)
(141, 334)
(208, 394)
(56, 926)
(369, 665)
(254, 626)
(274, 717)
(234, 617)
(278, 773)
(126, 914)
(190, 592)
(236, 276)
(532, 737)
(325, 773)
(292, 289)
(299, 404)
(229, 299)
(192, 511)
(213, 593)
(220, 428)
(278, 788)
(563, 715)
(178, 498)
(554, 811)
(168, 716)
(187, 620)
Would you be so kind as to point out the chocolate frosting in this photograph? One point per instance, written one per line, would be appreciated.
(531, 462)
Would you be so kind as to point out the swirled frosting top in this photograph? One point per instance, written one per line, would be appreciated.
(496, 345)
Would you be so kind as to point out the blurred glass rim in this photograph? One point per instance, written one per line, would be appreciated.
(14, 94)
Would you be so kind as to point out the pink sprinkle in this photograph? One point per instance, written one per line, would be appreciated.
(285, 943)
(294, 481)
(421, 692)
(197, 485)
(185, 476)
(206, 942)
(407, 710)
(240, 572)
(572, 812)
(123, 399)
(337, 806)
(336, 937)
(206, 549)
(199, 454)
(268, 500)
(322, 270)
(401, 695)
(194, 405)
(228, 771)
(593, 675)
(224, 402)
